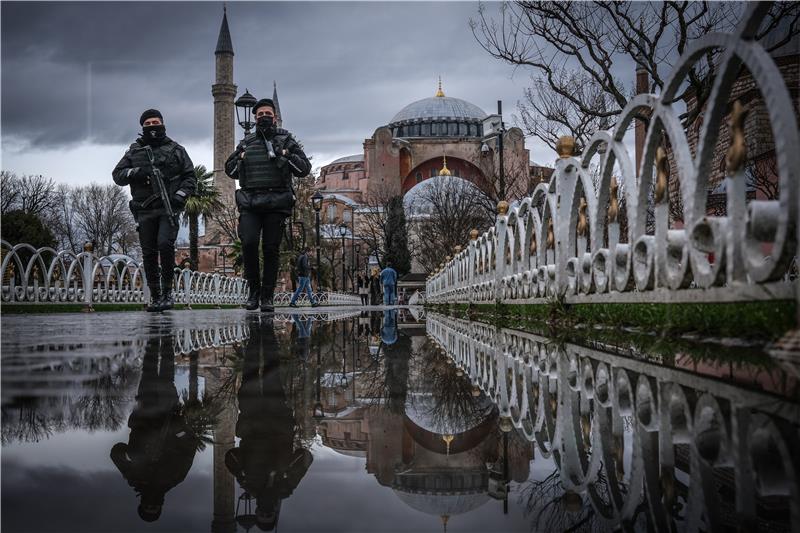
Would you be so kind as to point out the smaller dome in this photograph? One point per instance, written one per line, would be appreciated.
(356, 158)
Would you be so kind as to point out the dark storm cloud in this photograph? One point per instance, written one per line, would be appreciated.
(84, 71)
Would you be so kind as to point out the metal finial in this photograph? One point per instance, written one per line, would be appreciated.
(565, 146)
(440, 93)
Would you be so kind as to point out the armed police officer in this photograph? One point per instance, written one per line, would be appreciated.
(162, 178)
(264, 163)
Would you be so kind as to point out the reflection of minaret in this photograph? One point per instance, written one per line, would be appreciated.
(278, 115)
(224, 92)
(642, 86)
(224, 433)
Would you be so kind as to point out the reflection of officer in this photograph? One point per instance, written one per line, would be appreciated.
(265, 464)
(161, 447)
(264, 163)
(157, 233)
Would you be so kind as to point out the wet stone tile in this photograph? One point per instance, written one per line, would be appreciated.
(343, 420)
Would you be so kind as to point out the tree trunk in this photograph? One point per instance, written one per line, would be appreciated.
(193, 252)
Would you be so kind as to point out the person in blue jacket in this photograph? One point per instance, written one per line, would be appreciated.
(389, 282)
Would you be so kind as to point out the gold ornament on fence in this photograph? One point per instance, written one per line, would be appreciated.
(613, 202)
(737, 153)
(502, 207)
(565, 146)
(551, 238)
(583, 223)
(662, 174)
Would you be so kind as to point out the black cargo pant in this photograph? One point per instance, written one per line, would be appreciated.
(157, 238)
(267, 229)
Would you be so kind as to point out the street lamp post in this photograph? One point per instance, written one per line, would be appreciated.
(316, 202)
(343, 232)
(356, 259)
(500, 147)
(245, 103)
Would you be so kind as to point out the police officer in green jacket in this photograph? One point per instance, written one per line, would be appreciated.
(264, 163)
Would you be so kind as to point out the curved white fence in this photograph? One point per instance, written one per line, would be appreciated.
(565, 238)
(635, 436)
(45, 275)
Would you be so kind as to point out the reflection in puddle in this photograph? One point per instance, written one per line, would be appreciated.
(384, 421)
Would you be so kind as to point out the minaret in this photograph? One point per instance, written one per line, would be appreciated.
(278, 115)
(224, 92)
(642, 86)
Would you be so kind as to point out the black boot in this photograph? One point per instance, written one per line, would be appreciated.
(155, 301)
(267, 303)
(252, 299)
(168, 300)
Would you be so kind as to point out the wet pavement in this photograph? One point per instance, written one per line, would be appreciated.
(340, 419)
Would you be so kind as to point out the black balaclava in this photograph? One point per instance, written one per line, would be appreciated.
(154, 135)
(266, 124)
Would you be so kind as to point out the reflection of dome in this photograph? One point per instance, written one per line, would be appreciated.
(421, 409)
(435, 429)
(443, 504)
(417, 199)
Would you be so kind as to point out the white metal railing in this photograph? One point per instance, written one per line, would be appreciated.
(616, 426)
(565, 238)
(45, 275)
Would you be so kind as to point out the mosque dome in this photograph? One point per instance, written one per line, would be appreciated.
(439, 116)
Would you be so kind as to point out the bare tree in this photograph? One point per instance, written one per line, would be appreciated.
(547, 116)
(36, 194)
(553, 38)
(62, 219)
(9, 191)
(103, 217)
(444, 213)
(30, 194)
(374, 223)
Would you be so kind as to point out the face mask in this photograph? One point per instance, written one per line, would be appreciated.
(154, 133)
(265, 123)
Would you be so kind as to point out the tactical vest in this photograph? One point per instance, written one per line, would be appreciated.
(261, 172)
(165, 158)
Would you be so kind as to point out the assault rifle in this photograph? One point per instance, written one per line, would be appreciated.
(159, 187)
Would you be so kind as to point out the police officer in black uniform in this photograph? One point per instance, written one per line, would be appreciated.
(157, 230)
(267, 463)
(264, 163)
(161, 446)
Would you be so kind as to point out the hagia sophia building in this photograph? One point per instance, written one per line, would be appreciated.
(436, 136)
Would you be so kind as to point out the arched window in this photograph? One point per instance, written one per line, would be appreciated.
(452, 129)
(331, 213)
(473, 130)
(426, 130)
(462, 129)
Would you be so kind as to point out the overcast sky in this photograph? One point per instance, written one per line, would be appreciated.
(77, 75)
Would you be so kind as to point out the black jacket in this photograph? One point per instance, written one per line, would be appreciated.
(303, 268)
(134, 169)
